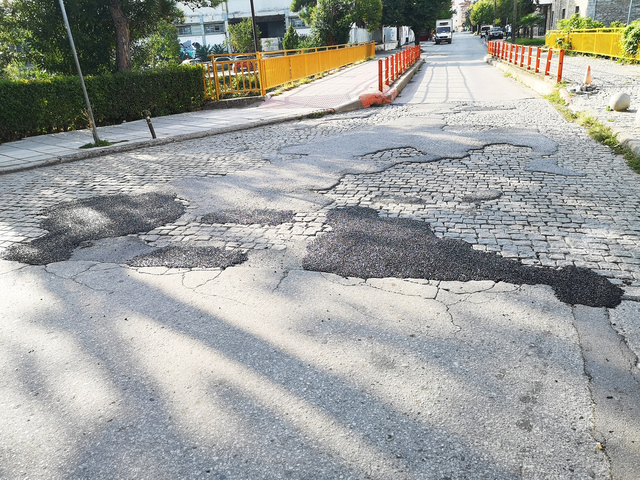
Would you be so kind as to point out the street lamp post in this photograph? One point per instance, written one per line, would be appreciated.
(84, 89)
(629, 15)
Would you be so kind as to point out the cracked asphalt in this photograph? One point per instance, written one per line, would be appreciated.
(446, 287)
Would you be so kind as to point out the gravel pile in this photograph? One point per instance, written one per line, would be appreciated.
(72, 223)
(367, 246)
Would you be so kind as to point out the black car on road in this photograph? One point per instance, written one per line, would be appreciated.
(495, 33)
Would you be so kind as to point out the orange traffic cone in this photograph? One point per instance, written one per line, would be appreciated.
(587, 76)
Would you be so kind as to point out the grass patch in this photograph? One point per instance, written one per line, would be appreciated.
(536, 42)
(596, 130)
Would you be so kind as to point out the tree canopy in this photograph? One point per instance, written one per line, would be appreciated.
(420, 15)
(107, 33)
(482, 12)
(331, 20)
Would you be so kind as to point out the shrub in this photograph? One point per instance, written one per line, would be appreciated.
(576, 22)
(291, 39)
(631, 38)
(56, 104)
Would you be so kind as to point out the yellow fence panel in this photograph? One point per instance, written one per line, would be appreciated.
(261, 72)
(601, 41)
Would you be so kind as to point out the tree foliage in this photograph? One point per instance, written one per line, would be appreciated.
(576, 22)
(331, 20)
(107, 33)
(241, 36)
(631, 39)
(160, 49)
(482, 12)
(291, 39)
(420, 15)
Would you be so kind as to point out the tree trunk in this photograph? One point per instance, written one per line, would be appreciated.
(121, 25)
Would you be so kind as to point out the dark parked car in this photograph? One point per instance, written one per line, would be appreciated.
(221, 63)
(496, 33)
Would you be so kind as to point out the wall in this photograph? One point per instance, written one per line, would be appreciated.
(606, 11)
(569, 8)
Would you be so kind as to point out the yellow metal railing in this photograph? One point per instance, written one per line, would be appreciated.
(263, 71)
(600, 41)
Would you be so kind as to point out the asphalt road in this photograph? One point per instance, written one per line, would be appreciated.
(319, 299)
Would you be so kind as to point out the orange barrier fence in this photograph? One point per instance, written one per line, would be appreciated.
(259, 72)
(392, 67)
(523, 56)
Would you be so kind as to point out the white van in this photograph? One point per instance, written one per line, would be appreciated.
(444, 31)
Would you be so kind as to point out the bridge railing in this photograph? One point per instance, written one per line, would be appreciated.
(259, 72)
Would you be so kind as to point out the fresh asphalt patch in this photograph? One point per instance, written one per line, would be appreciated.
(189, 257)
(364, 245)
(249, 217)
(72, 223)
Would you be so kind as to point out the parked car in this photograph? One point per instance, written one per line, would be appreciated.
(244, 63)
(496, 33)
(221, 63)
(484, 30)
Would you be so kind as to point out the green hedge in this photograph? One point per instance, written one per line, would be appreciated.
(53, 105)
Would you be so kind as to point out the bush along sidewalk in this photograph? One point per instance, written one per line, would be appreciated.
(596, 130)
(56, 104)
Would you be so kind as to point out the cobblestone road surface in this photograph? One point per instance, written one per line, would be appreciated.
(577, 206)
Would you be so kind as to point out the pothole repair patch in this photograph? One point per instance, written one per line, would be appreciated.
(189, 257)
(364, 245)
(393, 154)
(250, 217)
(398, 199)
(72, 223)
(482, 196)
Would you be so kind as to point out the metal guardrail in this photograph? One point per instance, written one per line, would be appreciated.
(597, 41)
(259, 72)
(395, 65)
(527, 57)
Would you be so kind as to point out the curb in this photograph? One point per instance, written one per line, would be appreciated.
(535, 81)
(543, 86)
(103, 151)
(364, 101)
(234, 103)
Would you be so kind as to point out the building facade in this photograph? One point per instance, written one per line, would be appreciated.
(210, 26)
(605, 11)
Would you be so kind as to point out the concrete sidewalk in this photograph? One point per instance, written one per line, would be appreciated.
(334, 92)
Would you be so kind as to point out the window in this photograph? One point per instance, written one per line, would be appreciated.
(184, 30)
(564, 13)
(297, 23)
(578, 10)
(212, 28)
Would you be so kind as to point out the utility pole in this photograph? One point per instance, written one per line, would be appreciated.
(84, 89)
(253, 22)
(629, 16)
(514, 26)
